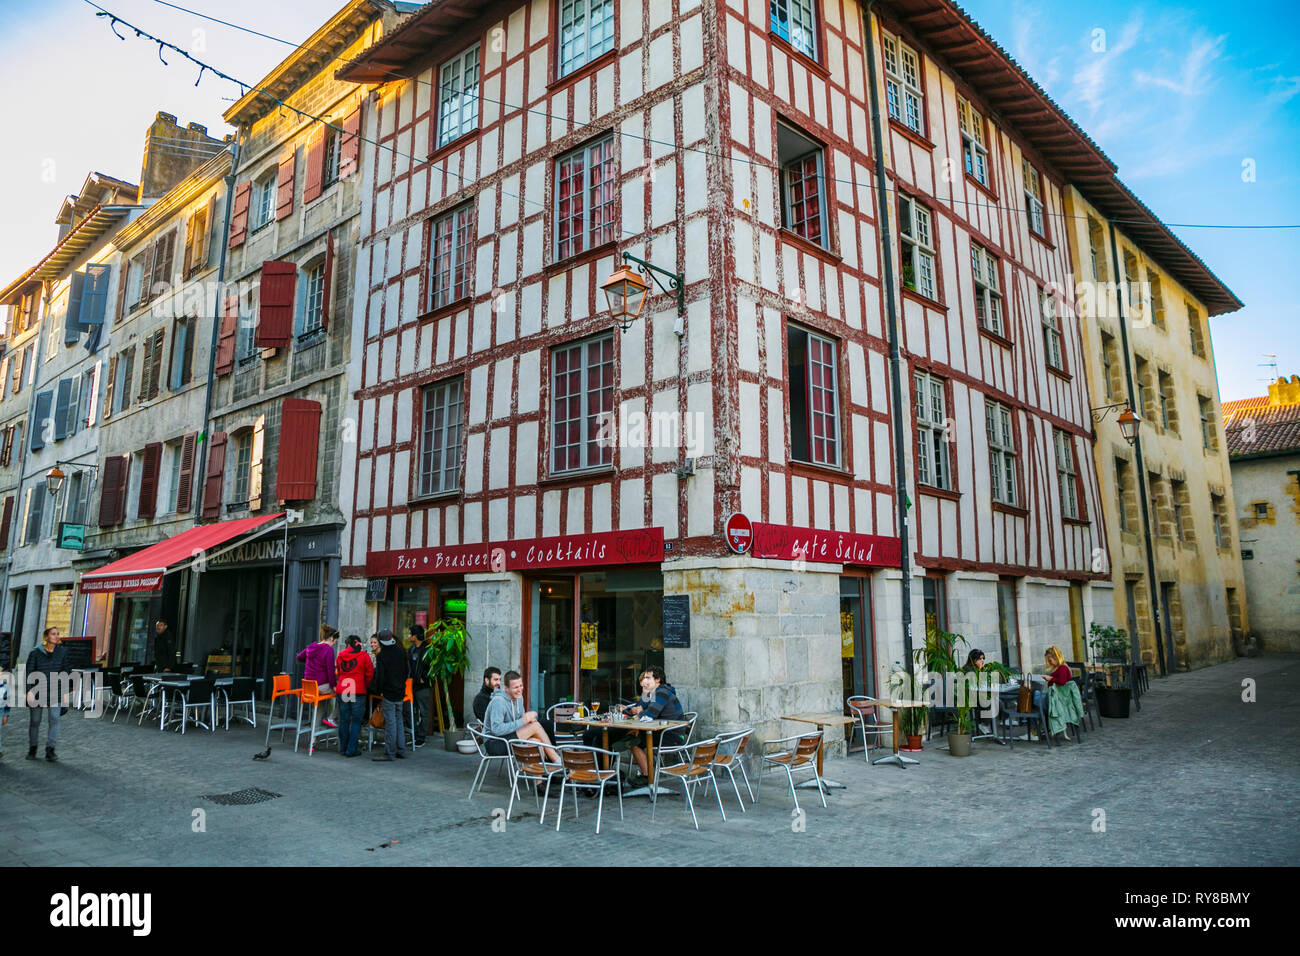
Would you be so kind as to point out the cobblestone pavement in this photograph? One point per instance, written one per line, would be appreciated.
(1197, 778)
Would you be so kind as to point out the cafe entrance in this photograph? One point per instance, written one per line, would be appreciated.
(857, 637)
(422, 602)
(591, 634)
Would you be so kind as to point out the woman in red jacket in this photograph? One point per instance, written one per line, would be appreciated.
(355, 671)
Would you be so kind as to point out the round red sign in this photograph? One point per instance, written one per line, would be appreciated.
(739, 533)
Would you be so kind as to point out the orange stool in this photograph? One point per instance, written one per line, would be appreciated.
(280, 687)
(310, 694)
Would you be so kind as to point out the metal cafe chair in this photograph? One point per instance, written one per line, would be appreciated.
(695, 768)
(531, 766)
(731, 757)
(793, 755)
(487, 755)
(145, 694)
(558, 712)
(582, 771)
(865, 709)
(197, 697)
(241, 692)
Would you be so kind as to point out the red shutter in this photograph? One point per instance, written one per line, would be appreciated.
(226, 341)
(239, 215)
(148, 504)
(295, 478)
(328, 281)
(6, 522)
(350, 147)
(315, 165)
(275, 308)
(186, 480)
(284, 186)
(112, 493)
(216, 473)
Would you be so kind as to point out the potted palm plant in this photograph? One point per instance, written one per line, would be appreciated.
(446, 655)
(912, 721)
(1110, 648)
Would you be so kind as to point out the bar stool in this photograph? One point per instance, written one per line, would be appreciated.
(310, 694)
(280, 688)
(408, 702)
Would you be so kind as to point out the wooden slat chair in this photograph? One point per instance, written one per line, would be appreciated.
(695, 769)
(731, 757)
(531, 766)
(793, 755)
(582, 771)
(869, 722)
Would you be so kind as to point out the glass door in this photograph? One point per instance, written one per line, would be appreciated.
(1008, 631)
(857, 649)
(1077, 639)
(551, 658)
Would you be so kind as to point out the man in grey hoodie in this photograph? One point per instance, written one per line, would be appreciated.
(507, 718)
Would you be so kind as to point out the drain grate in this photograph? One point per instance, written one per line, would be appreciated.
(241, 798)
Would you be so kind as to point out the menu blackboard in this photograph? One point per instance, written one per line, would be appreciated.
(81, 651)
(677, 620)
(377, 589)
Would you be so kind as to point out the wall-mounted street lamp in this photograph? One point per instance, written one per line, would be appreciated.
(1128, 420)
(54, 477)
(626, 291)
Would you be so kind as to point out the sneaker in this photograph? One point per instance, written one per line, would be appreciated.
(330, 724)
(31, 753)
(401, 756)
(50, 755)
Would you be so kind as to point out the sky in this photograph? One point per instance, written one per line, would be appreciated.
(1198, 105)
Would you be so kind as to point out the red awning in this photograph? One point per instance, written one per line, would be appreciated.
(144, 570)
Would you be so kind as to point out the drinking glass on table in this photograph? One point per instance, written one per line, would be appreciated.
(595, 707)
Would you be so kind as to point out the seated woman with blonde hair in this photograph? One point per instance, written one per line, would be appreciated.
(1063, 703)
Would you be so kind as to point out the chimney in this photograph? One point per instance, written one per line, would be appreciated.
(172, 152)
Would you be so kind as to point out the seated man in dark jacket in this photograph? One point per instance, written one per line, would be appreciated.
(658, 702)
(491, 683)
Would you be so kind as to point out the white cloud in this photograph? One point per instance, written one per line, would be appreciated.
(1093, 71)
(1194, 77)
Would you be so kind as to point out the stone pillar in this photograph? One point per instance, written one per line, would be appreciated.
(494, 620)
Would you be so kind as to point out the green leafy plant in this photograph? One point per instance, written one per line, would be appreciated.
(904, 685)
(1108, 643)
(446, 655)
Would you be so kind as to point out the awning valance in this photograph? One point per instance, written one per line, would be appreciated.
(144, 570)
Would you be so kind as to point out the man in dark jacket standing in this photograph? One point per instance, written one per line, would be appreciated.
(48, 681)
(419, 682)
(391, 670)
(164, 646)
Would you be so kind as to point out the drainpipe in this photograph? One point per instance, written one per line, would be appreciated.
(1135, 650)
(891, 322)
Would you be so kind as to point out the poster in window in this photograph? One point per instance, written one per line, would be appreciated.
(846, 634)
(58, 613)
(589, 655)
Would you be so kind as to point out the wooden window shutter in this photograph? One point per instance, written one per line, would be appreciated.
(210, 222)
(315, 165)
(350, 147)
(239, 215)
(153, 369)
(123, 280)
(6, 446)
(284, 186)
(276, 301)
(255, 465)
(299, 443)
(146, 280)
(114, 467)
(94, 296)
(6, 522)
(43, 402)
(216, 474)
(190, 228)
(226, 341)
(164, 259)
(72, 320)
(148, 504)
(327, 280)
(110, 387)
(62, 403)
(185, 483)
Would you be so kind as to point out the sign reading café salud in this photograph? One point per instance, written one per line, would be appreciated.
(642, 545)
(789, 543)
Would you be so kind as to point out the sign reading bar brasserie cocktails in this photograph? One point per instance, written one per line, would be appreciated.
(643, 545)
(832, 547)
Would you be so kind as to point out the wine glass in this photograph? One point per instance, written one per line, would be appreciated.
(595, 707)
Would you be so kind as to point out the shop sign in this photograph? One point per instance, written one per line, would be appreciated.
(788, 543)
(144, 581)
(72, 536)
(589, 645)
(263, 549)
(643, 545)
(377, 589)
(739, 533)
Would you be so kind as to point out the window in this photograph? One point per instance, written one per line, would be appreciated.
(1155, 300)
(1033, 197)
(1208, 439)
(1156, 492)
(1127, 497)
(917, 247)
(582, 398)
(313, 298)
(1051, 330)
(1008, 626)
(1002, 452)
(86, 398)
(330, 159)
(136, 291)
(243, 466)
(1222, 530)
(458, 96)
(932, 463)
(151, 366)
(803, 192)
(988, 298)
(814, 398)
(182, 358)
(934, 591)
(974, 149)
(76, 501)
(1097, 249)
(1196, 331)
(1145, 389)
(173, 476)
(1261, 510)
(263, 201)
(1168, 412)
(903, 84)
(125, 376)
(196, 242)
(585, 198)
(28, 312)
(1182, 507)
(451, 239)
(1110, 366)
(1067, 474)
(795, 22)
(586, 32)
(34, 513)
(164, 258)
(245, 333)
(440, 438)
(54, 328)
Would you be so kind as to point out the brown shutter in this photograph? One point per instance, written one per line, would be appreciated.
(226, 341)
(315, 165)
(189, 243)
(216, 474)
(209, 221)
(327, 280)
(284, 186)
(296, 456)
(350, 147)
(6, 522)
(146, 280)
(112, 493)
(255, 465)
(275, 305)
(122, 281)
(148, 504)
(110, 387)
(239, 215)
(155, 371)
(186, 480)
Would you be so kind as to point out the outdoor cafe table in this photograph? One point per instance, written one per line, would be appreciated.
(178, 682)
(894, 707)
(635, 726)
(822, 721)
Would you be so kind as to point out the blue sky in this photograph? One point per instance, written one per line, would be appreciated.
(1179, 98)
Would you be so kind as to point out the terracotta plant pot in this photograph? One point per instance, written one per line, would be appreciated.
(913, 741)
